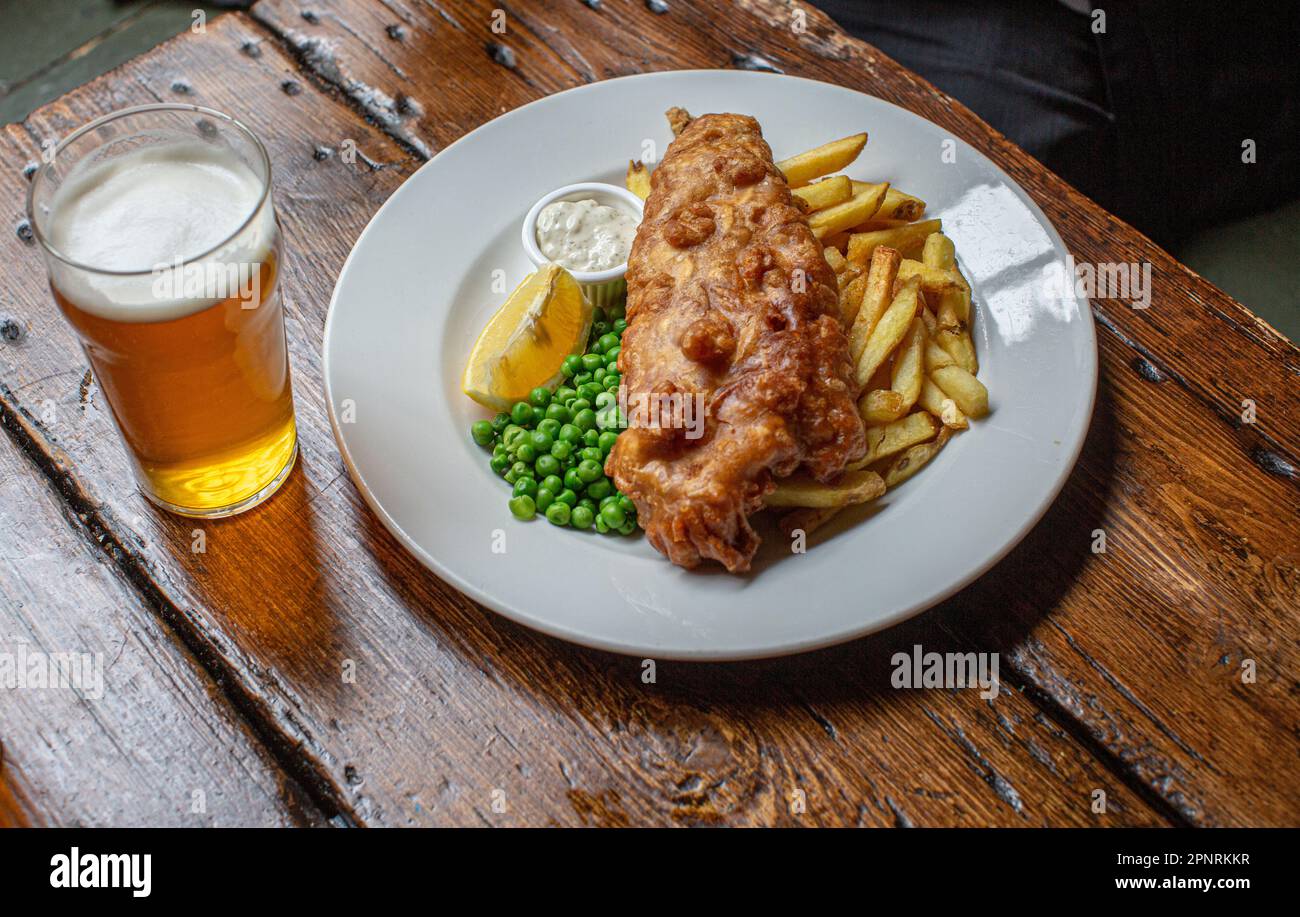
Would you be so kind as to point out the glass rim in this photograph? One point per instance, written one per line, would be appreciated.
(124, 113)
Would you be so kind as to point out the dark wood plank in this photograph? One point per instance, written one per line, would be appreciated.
(1142, 644)
(144, 736)
(452, 708)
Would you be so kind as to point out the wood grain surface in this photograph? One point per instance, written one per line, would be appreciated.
(388, 698)
(138, 733)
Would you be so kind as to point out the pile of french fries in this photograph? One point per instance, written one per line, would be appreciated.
(907, 310)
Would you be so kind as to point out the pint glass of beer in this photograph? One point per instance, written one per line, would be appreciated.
(164, 255)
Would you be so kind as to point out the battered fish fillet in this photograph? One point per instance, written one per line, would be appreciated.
(731, 307)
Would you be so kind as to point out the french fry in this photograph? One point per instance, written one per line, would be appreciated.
(873, 224)
(933, 279)
(899, 205)
(939, 252)
(937, 358)
(892, 438)
(889, 330)
(956, 342)
(852, 487)
(837, 241)
(914, 459)
(904, 238)
(909, 366)
(968, 392)
(881, 406)
(851, 297)
(638, 179)
(957, 300)
(855, 210)
(941, 406)
(823, 160)
(875, 298)
(807, 520)
(825, 193)
(931, 323)
(835, 258)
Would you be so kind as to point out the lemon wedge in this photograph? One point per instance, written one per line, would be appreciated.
(524, 344)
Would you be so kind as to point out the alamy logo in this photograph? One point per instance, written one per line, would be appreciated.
(1109, 280)
(946, 670)
(103, 870)
(209, 280)
(83, 672)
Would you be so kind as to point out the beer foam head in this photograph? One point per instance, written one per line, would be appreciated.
(147, 210)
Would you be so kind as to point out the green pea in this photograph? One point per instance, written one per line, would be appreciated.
(558, 514)
(606, 343)
(589, 503)
(579, 404)
(591, 390)
(521, 469)
(569, 434)
(550, 426)
(541, 440)
(500, 422)
(600, 489)
(500, 463)
(552, 483)
(591, 438)
(512, 433)
(580, 378)
(585, 419)
(510, 476)
(482, 433)
(589, 471)
(540, 397)
(628, 527)
(611, 356)
(620, 325)
(598, 328)
(547, 465)
(558, 413)
(522, 413)
(525, 487)
(613, 514)
(591, 454)
(544, 499)
(567, 497)
(523, 507)
(563, 394)
(604, 400)
(526, 452)
(562, 450)
(592, 361)
(626, 502)
(573, 480)
(601, 525)
(570, 366)
(598, 379)
(581, 517)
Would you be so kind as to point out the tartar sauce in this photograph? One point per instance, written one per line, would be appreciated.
(585, 235)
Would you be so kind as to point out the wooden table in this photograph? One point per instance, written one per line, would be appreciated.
(303, 669)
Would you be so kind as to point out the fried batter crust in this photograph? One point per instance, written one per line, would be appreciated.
(731, 304)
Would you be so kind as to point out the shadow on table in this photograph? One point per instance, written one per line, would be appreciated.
(280, 602)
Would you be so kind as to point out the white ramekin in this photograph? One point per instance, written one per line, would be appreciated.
(602, 288)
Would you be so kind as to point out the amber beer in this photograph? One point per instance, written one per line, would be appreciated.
(164, 254)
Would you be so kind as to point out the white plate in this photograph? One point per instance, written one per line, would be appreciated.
(418, 286)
